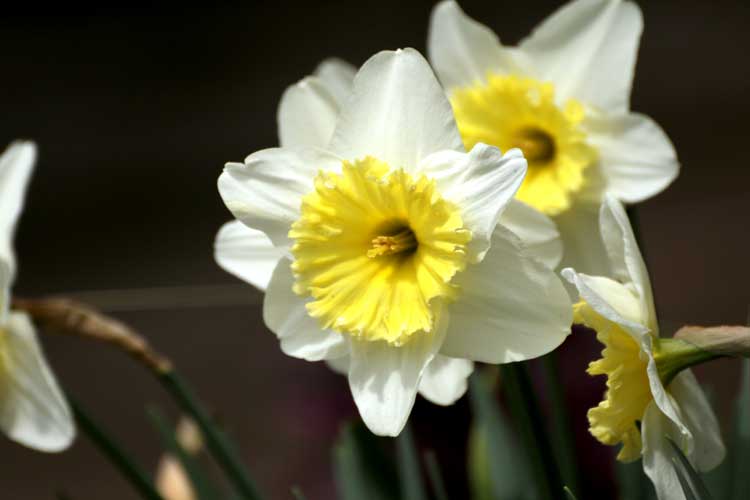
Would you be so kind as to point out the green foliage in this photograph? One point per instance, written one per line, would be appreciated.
(690, 480)
(410, 476)
(739, 454)
(497, 468)
(361, 468)
(633, 483)
(202, 485)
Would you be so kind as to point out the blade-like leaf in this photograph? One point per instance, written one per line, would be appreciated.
(633, 482)
(361, 469)
(569, 494)
(690, 480)
(740, 444)
(204, 488)
(410, 475)
(436, 478)
(562, 434)
(497, 468)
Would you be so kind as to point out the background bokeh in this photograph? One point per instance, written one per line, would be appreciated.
(135, 110)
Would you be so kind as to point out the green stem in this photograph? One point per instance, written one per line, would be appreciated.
(114, 453)
(434, 475)
(562, 430)
(528, 418)
(215, 439)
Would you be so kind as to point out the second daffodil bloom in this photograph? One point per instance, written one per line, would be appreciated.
(650, 394)
(382, 253)
(562, 96)
(33, 411)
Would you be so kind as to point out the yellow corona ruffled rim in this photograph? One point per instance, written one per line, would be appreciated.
(616, 419)
(376, 250)
(512, 112)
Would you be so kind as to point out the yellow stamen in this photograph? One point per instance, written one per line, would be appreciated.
(402, 242)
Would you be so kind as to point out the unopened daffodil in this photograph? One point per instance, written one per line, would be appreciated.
(650, 393)
(563, 97)
(33, 411)
(376, 239)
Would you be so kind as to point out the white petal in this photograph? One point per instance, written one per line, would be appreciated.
(266, 191)
(637, 158)
(384, 378)
(16, 165)
(246, 253)
(611, 300)
(481, 182)
(583, 249)
(708, 447)
(511, 307)
(680, 433)
(33, 410)
(657, 463)
(285, 314)
(339, 365)
(626, 261)
(397, 113)
(538, 232)
(588, 49)
(463, 51)
(445, 379)
(307, 114)
(338, 77)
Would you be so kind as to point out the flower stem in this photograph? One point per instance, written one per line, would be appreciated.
(562, 431)
(216, 440)
(528, 418)
(114, 453)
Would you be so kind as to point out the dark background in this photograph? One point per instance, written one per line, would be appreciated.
(136, 109)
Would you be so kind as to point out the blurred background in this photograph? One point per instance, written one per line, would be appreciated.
(136, 108)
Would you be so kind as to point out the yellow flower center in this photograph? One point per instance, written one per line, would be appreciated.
(512, 112)
(376, 250)
(616, 419)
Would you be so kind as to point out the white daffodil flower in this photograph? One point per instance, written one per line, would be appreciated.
(33, 410)
(381, 252)
(649, 394)
(562, 96)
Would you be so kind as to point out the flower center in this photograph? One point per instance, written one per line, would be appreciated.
(403, 242)
(512, 112)
(376, 250)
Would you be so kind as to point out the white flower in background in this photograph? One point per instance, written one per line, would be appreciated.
(562, 96)
(381, 252)
(33, 410)
(646, 382)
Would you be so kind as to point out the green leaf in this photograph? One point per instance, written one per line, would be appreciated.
(361, 468)
(436, 478)
(530, 423)
(497, 468)
(740, 444)
(569, 494)
(410, 474)
(633, 482)
(562, 433)
(204, 489)
(690, 480)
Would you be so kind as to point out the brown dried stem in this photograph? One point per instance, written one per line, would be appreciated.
(69, 317)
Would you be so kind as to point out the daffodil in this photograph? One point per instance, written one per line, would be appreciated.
(650, 392)
(33, 410)
(381, 251)
(562, 96)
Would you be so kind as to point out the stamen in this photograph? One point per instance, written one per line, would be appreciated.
(403, 241)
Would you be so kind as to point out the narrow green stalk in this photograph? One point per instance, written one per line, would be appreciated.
(525, 410)
(562, 432)
(434, 475)
(410, 475)
(115, 454)
(216, 440)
